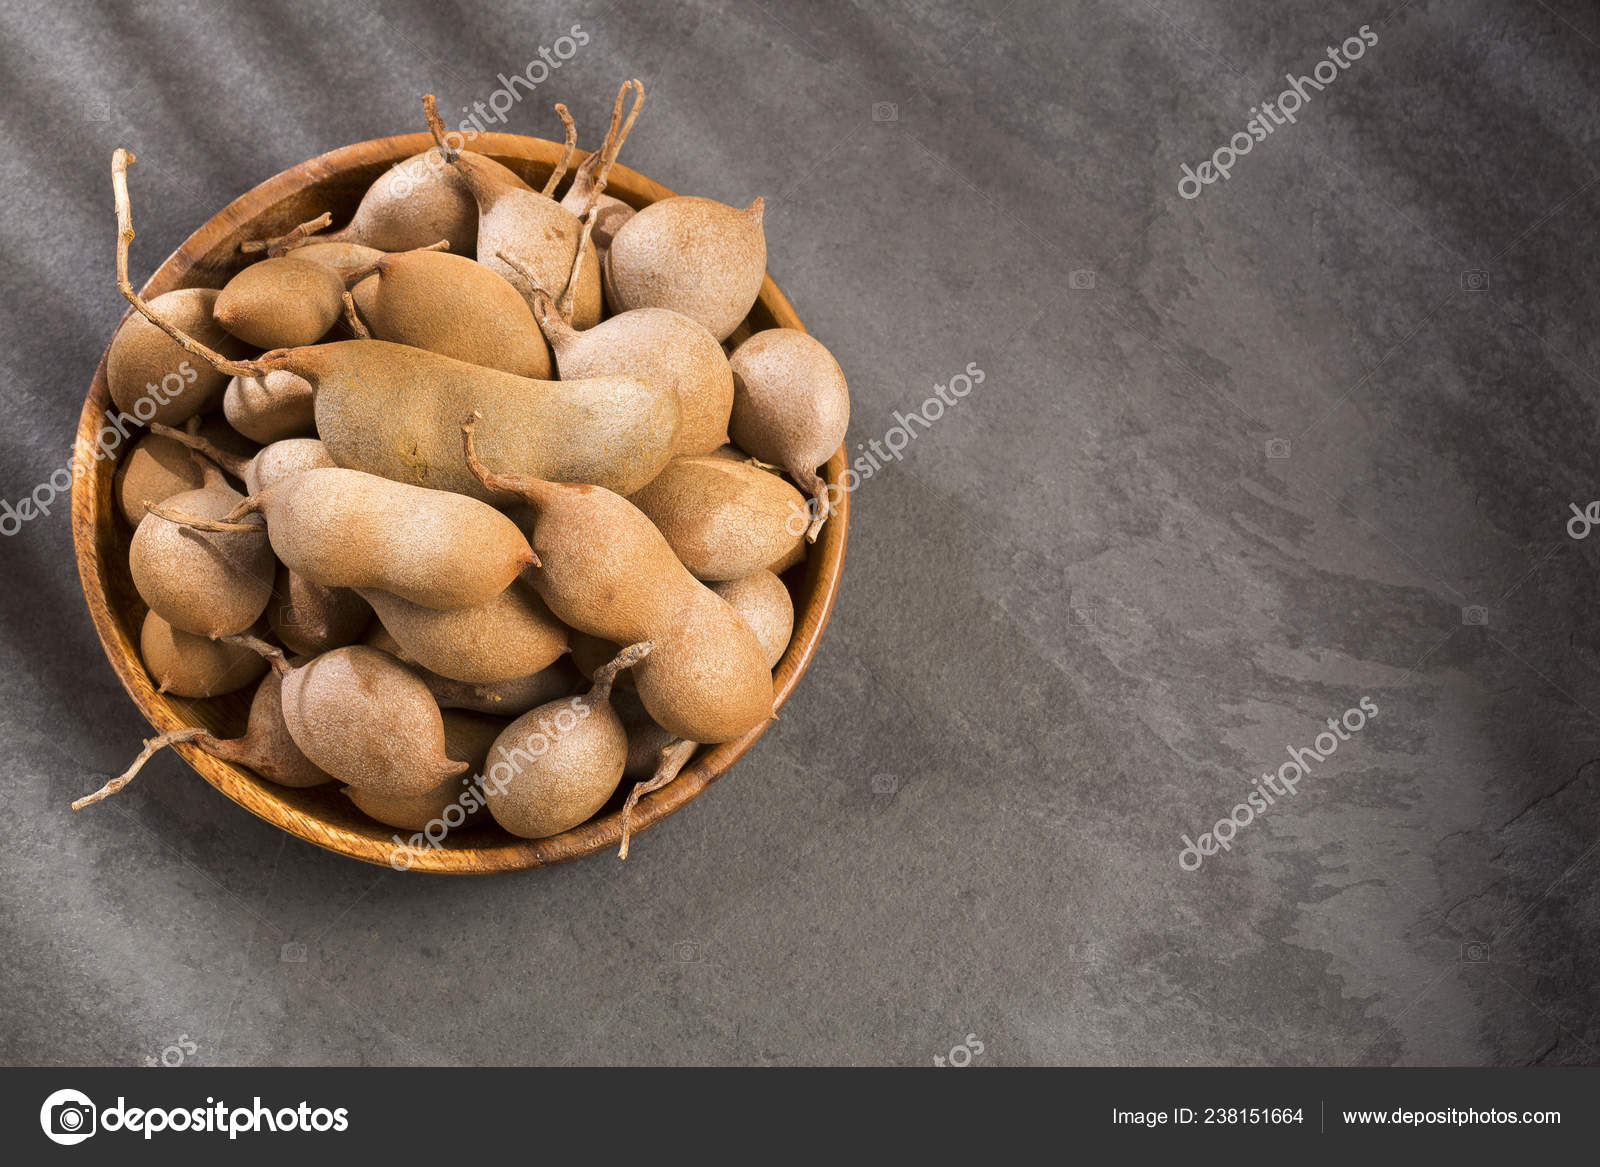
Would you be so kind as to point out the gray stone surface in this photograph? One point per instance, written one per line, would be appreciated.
(1080, 614)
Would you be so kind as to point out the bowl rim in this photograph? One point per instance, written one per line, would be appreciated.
(93, 511)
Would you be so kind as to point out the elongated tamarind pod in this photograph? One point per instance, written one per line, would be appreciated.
(393, 410)
(607, 571)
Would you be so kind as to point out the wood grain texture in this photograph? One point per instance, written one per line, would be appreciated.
(324, 816)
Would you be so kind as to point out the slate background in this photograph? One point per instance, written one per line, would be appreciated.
(1078, 616)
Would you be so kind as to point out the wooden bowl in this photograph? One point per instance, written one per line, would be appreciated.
(324, 815)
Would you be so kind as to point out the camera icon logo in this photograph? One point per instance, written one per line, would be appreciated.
(884, 783)
(1476, 280)
(1475, 614)
(1081, 280)
(1475, 952)
(292, 953)
(885, 111)
(97, 109)
(1278, 449)
(67, 1117)
(688, 952)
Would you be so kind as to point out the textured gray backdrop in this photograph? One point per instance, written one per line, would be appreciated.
(1079, 616)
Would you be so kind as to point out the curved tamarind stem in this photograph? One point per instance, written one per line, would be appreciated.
(674, 757)
(120, 161)
(567, 306)
(353, 318)
(583, 178)
(288, 241)
(354, 275)
(812, 483)
(280, 663)
(216, 526)
(232, 463)
(472, 176)
(151, 746)
(560, 171)
(616, 134)
(606, 674)
(430, 111)
(530, 488)
(544, 306)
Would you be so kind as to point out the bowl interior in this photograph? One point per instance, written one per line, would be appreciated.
(323, 815)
